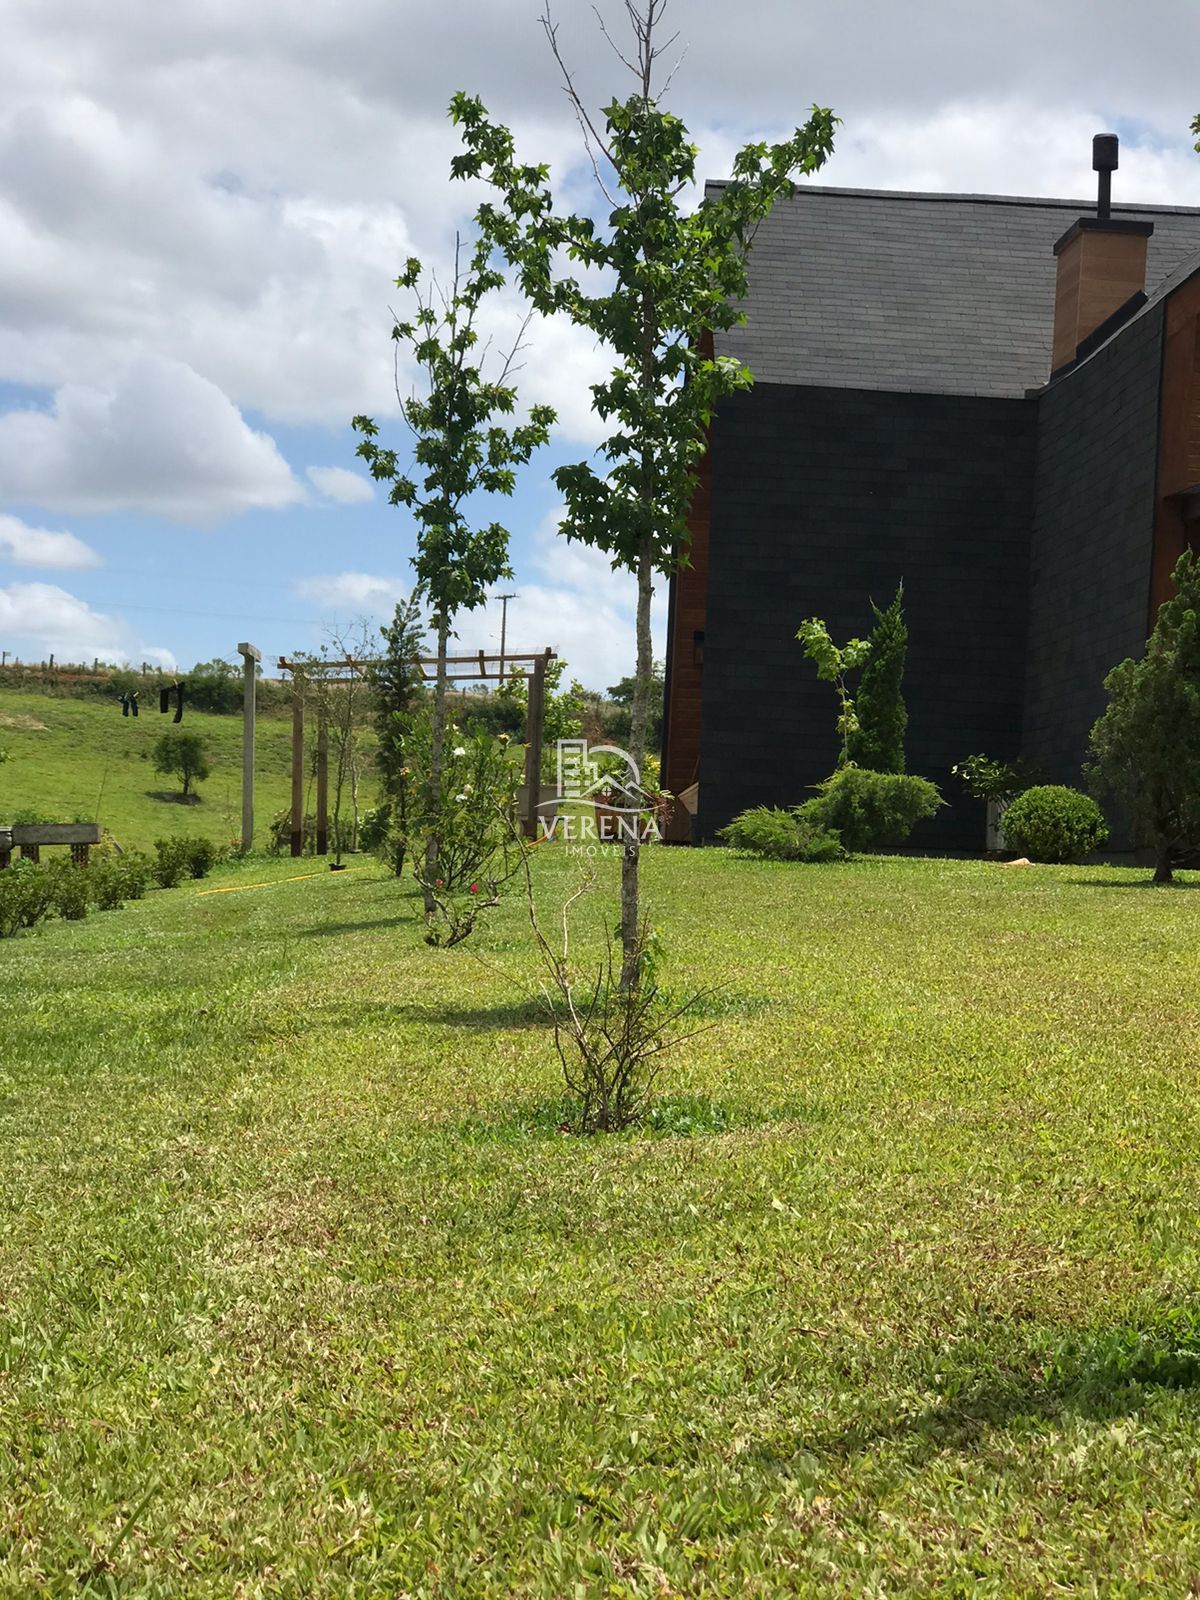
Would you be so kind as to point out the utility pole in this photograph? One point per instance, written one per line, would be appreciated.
(504, 599)
(251, 655)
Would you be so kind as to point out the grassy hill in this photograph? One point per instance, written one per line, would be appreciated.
(81, 760)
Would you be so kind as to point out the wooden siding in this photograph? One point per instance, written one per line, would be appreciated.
(1179, 440)
(685, 672)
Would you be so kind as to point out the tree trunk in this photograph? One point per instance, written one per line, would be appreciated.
(631, 854)
(1163, 871)
(437, 751)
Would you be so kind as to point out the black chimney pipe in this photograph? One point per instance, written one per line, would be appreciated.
(1105, 149)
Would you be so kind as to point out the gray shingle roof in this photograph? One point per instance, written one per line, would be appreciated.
(934, 293)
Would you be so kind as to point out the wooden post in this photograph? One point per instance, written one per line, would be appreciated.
(297, 766)
(322, 786)
(534, 725)
(251, 656)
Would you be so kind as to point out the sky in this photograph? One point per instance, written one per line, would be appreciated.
(204, 206)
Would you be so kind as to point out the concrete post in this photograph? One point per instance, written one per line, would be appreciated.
(534, 725)
(297, 765)
(322, 786)
(251, 656)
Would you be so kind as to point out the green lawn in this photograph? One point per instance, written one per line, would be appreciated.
(301, 1298)
(82, 760)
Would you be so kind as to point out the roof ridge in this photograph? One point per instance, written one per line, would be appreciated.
(948, 197)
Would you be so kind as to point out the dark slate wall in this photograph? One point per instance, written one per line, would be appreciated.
(822, 500)
(1092, 541)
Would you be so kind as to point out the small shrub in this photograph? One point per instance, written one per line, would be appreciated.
(782, 836)
(135, 868)
(71, 890)
(1053, 823)
(172, 862)
(107, 884)
(865, 809)
(202, 855)
(26, 896)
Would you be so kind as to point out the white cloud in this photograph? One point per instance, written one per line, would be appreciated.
(340, 484)
(358, 593)
(40, 619)
(190, 181)
(38, 547)
(156, 437)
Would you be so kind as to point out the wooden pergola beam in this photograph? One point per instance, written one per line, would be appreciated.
(479, 664)
(538, 661)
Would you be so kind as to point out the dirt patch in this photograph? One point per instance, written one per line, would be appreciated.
(27, 724)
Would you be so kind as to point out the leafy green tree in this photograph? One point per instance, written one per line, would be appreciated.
(214, 686)
(834, 665)
(1146, 746)
(877, 742)
(562, 716)
(460, 449)
(397, 681)
(1196, 129)
(621, 694)
(181, 755)
(663, 275)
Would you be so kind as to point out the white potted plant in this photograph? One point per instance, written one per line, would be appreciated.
(997, 784)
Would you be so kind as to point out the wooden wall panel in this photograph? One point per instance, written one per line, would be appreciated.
(1178, 451)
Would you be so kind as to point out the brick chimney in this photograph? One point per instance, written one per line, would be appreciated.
(1101, 266)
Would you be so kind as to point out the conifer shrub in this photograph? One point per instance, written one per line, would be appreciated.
(779, 835)
(867, 809)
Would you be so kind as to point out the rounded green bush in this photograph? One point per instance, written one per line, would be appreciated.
(1054, 823)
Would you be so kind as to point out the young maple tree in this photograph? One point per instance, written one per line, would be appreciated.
(670, 274)
(460, 448)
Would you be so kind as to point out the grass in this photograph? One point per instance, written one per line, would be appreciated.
(304, 1295)
(80, 760)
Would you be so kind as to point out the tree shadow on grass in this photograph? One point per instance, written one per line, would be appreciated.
(326, 930)
(1136, 883)
(675, 1116)
(174, 797)
(1097, 1377)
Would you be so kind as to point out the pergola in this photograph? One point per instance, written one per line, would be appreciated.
(460, 669)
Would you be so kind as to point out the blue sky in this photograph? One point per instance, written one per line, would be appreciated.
(203, 208)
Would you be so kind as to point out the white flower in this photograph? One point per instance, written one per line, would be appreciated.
(459, 751)
(460, 797)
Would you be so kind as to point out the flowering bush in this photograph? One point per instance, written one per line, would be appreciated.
(473, 818)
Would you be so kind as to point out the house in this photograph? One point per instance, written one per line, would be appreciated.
(995, 400)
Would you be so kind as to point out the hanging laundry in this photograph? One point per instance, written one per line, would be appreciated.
(129, 704)
(174, 690)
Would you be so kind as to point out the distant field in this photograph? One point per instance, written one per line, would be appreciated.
(80, 759)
